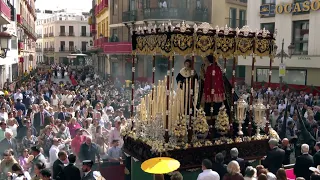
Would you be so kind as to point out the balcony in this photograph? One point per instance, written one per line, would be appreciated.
(71, 33)
(62, 34)
(235, 23)
(47, 50)
(5, 12)
(50, 34)
(93, 29)
(84, 34)
(45, 35)
(198, 15)
(129, 16)
(38, 49)
(39, 36)
(238, 2)
(28, 29)
(66, 49)
(117, 48)
(99, 9)
(98, 43)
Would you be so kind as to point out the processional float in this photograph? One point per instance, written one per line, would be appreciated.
(169, 121)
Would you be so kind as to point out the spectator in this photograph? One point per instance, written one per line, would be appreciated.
(176, 175)
(234, 153)
(281, 174)
(71, 172)
(316, 156)
(37, 169)
(303, 162)
(55, 149)
(207, 172)
(45, 174)
(115, 153)
(275, 157)
(219, 165)
(250, 173)
(58, 166)
(233, 169)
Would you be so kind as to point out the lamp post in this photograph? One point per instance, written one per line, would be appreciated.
(282, 55)
(4, 44)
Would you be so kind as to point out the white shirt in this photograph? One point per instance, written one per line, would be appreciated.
(53, 153)
(281, 107)
(115, 135)
(109, 108)
(208, 174)
(17, 96)
(4, 115)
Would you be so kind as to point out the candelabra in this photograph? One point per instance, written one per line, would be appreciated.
(242, 106)
(259, 115)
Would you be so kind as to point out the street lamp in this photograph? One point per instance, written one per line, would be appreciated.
(4, 44)
(283, 54)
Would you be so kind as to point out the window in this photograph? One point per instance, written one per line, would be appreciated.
(70, 29)
(84, 45)
(62, 30)
(293, 76)
(146, 4)
(14, 44)
(268, 26)
(83, 30)
(114, 7)
(114, 32)
(132, 5)
(268, 1)
(62, 45)
(71, 46)
(242, 18)
(300, 37)
(233, 17)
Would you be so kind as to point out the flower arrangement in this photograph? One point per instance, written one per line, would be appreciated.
(273, 134)
(180, 129)
(200, 125)
(222, 122)
(238, 140)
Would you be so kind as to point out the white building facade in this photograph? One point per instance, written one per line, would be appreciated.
(297, 22)
(61, 34)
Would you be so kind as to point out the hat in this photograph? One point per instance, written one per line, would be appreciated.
(87, 163)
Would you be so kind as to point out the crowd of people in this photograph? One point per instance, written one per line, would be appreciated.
(62, 123)
(50, 126)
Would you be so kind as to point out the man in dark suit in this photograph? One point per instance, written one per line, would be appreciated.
(234, 153)
(303, 162)
(20, 106)
(287, 149)
(39, 118)
(86, 169)
(316, 156)
(58, 166)
(23, 130)
(89, 150)
(316, 113)
(275, 157)
(8, 143)
(71, 172)
(219, 166)
(63, 114)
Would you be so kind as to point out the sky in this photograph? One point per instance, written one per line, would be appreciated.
(62, 4)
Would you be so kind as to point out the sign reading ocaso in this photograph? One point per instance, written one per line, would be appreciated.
(305, 6)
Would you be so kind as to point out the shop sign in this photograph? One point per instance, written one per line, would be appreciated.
(305, 6)
(304, 58)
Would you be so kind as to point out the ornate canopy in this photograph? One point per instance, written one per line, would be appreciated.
(202, 40)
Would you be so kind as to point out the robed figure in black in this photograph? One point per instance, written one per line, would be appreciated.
(185, 73)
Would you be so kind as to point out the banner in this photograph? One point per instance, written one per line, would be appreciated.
(282, 70)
